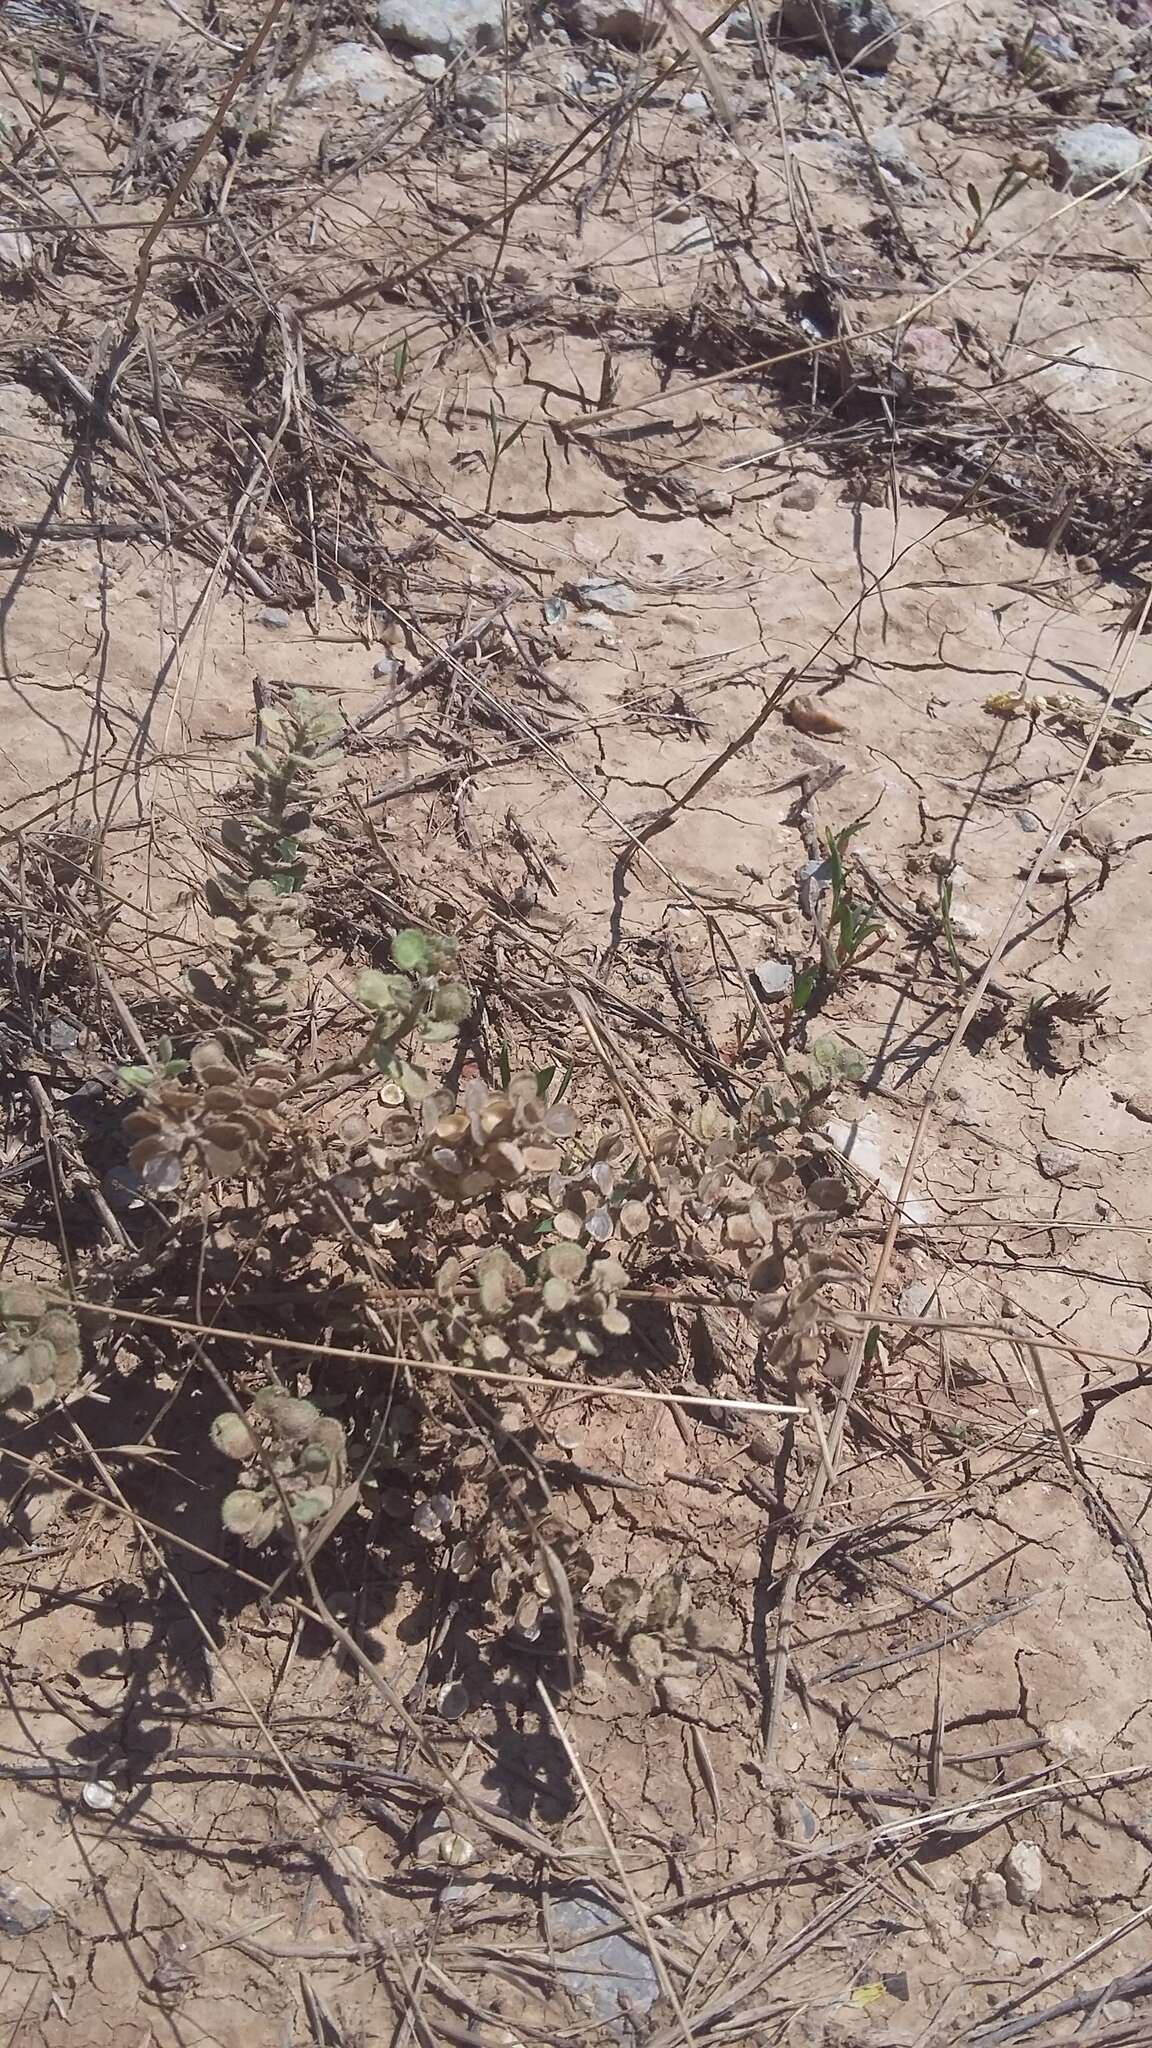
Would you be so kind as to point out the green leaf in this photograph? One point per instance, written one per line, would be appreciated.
(452, 1002)
(803, 989)
(974, 200)
(136, 1077)
(412, 951)
(384, 992)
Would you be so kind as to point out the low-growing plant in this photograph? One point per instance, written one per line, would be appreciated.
(422, 1002)
(293, 1459)
(847, 929)
(39, 1346)
(256, 895)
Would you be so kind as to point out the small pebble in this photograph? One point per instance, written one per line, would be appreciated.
(803, 496)
(714, 503)
(99, 1796)
(273, 615)
(1023, 1873)
(429, 66)
(694, 103)
(20, 1913)
(773, 978)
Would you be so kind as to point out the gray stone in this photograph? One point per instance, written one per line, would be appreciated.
(773, 978)
(740, 27)
(182, 134)
(694, 103)
(628, 23)
(602, 593)
(1023, 1873)
(273, 615)
(429, 67)
(443, 26)
(483, 96)
(800, 497)
(372, 75)
(611, 1972)
(714, 504)
(1082, 158)
(865, 33)
(20, 1913)
(891, 153)
(1058, 48)
(504, 133)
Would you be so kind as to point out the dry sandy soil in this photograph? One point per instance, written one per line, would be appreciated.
(756, 490)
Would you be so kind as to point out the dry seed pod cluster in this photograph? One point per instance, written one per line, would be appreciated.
(746, 1198)
(224, 1120)
(283, 1436)
(495, 1313)
(493, 1138)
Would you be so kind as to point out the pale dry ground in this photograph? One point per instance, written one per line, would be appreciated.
(973, 1631)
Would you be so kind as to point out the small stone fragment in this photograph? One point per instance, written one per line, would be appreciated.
(602, 593)
(20, 1913)
(484, 96)
(374, 77)
(429, 66)
(1023, 1873)
(802, 496)
(182, 133)
(891, 153)
(865, 33)
(503, 133)
(273, 615)
(774, 979)
(1065, 1163)
(443, 26)
(694, 103)
(629, 23)
(714, 504)
(740, 27)
(1082, 158)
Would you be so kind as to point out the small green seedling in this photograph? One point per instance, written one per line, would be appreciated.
(1013, 182)
(421, 1001)
(847, 931)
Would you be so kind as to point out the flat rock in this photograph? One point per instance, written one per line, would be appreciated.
(628, 23)
(604, 1968)
(862, 32)
(1023, 1872)
(374, 77)
(484, 96)
(1082, 158)
(20, 1913)
(891, 153)
(443, 26)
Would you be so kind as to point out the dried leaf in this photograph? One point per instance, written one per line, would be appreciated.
(810, 716)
